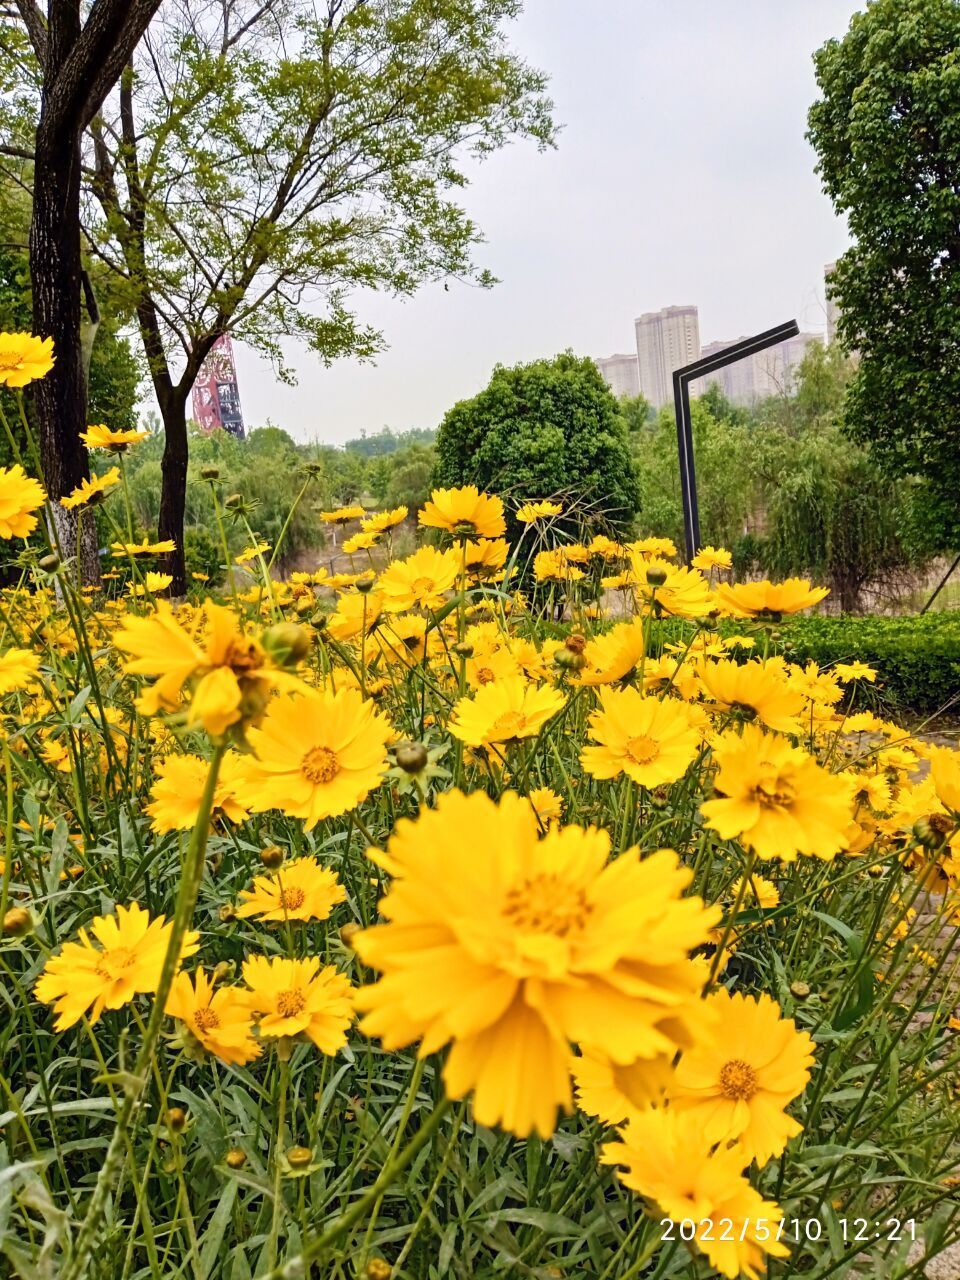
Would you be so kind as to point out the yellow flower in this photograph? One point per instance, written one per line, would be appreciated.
(361, 541)
(503, 711)
(342, 515)
(614, 656)
(738, 1083)
(758, 891)
(654, 548)
(403, 638)
(606, 548)
(682, 593)
(19, 668)
(419, 581)
(357, 612)
(945, 772)
(547, 805)
(318, 754)
(298, 998)
(553, 566)
(128, 960)
(101, 437)
(20, 496)
(249, 554)
(651, 741)
(617, 1093)
(218, 1018)
(92, 490)
(466, 512)
(486, 557)
(708, 558)
(514, 947)
(855, 671)
(153, 584)
(530, 512)
(23, 359)
(300, 890)
(756, 599)
(758, 689)
(668, 1159)
(178, 792)
(776, 799)
(384, 520)
(144, 548)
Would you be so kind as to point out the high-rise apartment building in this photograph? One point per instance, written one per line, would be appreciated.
(768, 373)
(666, 340)
(620, 373)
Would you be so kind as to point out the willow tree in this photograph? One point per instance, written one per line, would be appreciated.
(263, 162)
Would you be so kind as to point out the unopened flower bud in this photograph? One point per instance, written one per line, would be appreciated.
(176, 1119)
(926, 833)
(272, 857)
(378, 1269)
(223, 971)
(286, 643)
(299, 1157)
(236, 1158)
(234, 502)
(576, 643)
(799, 990)
(227, 913)
(364, 585)
(464, 649)
(411, 756)
(209, 473)
(319, 621)
(17, 923)
(567, 660)
(49, 563)
(656, 577)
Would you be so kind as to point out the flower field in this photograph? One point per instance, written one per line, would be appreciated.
(476, 913)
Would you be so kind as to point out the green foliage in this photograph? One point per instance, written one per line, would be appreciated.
(887, 135)
(386, 442)
(917, 658)
(547, 428)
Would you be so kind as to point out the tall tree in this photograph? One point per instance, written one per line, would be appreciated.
(887, 135)
(79, 59)
(262, 159)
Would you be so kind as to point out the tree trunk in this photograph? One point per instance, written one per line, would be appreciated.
(173, 410)
(60, 398)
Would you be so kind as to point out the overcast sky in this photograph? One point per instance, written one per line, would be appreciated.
(681, 176)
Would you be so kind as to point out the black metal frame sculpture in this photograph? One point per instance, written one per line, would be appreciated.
(681, 402)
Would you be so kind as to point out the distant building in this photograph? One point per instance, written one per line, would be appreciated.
(620, 373)
(833, 311)
(666, 340)
(768, 373)
(216, 395)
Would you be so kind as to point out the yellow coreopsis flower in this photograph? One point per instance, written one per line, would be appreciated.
(24, 359)
(708, 558)
(654, 548)
(759, 599)
(553, 566)
(317, 754)
(19, 669)
(855, 671)
(20, 496)
(504, 710)
(249, 554)
(384, 520)
(530, 512)
(128, 960)
(101, 437)
(945, 772)
(682, 593)
(153, 584)
(294, 998)
(615, 1093)
(342, 515)
(300, 890)
(754, 687)
(511, 948)
(144, 548)
(217, 1018)
(178, 791)
(614, 656)
(93, 490)
(466, 512)
(403, 638)
(486, 557)
(420, 581)
(776, 799)
(357, 612)
(651, 741)
(547, 805)
(666, 1157)
(361, 541)
(738, 1083)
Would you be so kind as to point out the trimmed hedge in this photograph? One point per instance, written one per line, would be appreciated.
(917, 658)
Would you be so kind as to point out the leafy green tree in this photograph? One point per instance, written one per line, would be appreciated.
(637, 412)
(263, 159)
(411, 477)
(547, 428)
(887, 135)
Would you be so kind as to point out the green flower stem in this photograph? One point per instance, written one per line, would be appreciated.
(183, 915)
